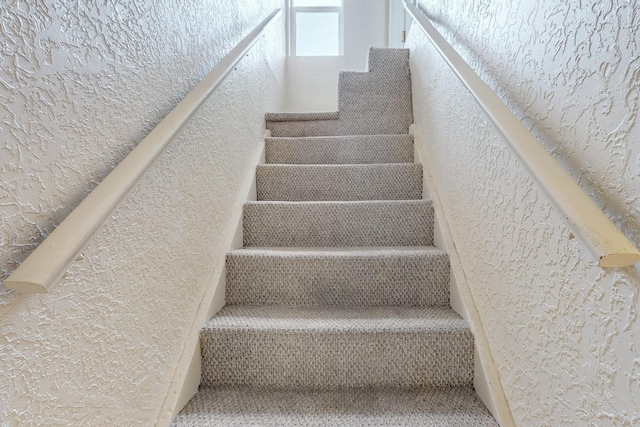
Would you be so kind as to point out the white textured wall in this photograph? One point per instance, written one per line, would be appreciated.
(564, 333)
(312, 83)
(366, 24)
(81, 82)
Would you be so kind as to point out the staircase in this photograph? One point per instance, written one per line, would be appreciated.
(338, 304)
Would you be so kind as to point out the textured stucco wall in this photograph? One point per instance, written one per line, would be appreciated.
(564, 333)
(81, 82)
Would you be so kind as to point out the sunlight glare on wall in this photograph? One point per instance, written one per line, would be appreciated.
(317, 34)
(317, 3)
(315, 28)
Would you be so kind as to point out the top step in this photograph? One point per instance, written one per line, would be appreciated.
(377, 102)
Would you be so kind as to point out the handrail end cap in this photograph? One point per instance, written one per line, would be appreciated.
(619, 260)
(25, 287)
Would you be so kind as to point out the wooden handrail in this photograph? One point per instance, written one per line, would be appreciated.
(46, 265)
(602, 238)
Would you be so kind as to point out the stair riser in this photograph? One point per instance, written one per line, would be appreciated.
(352, 182)
(396, 280)
(406, 223)
(328, 360)
(340, 150)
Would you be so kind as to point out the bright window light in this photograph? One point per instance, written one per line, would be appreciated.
(317, 3)
(315, 27)
(317, 33)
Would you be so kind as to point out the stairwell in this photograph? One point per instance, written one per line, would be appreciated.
(338, 304)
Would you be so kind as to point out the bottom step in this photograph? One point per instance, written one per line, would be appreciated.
(240, 406)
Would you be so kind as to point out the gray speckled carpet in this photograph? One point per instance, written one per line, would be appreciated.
(248, 406)
(338, 305)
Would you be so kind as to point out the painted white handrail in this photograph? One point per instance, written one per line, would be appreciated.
(586, 220)
(46, 265)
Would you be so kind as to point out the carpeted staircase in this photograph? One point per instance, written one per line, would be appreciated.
(338, 305)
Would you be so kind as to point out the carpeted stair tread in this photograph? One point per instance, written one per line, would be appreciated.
(301, 116)
(353, 223)
(358, 276)
(340, 149)
(265, 407)
(338, 320)
(414, 249)
(332, 347)
(393, 181)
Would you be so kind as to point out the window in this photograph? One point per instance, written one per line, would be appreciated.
(315, 28)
